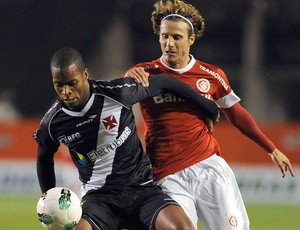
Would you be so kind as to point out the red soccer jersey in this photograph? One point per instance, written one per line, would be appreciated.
(176, 136)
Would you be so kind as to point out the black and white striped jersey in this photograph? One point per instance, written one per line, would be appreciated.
(102, 137)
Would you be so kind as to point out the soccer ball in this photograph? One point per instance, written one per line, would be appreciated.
(59, 209)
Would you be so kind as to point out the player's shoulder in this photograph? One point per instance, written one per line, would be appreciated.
(121, 90)
(50, 114)
(147, 63)
(43, 132)
(209, 67)
(114, 88)
(112, 84)
(153, 67)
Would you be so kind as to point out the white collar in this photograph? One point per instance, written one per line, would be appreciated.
(184, 69)
(83, 111)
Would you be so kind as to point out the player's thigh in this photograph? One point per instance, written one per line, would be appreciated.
(179, 189)
(219, 203)
(173, 217)
(160, 211)
(100, 214)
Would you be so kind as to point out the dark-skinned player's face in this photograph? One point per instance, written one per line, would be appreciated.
(71, 86)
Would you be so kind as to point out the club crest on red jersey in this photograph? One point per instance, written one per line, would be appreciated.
(109, 122)
(203, 85)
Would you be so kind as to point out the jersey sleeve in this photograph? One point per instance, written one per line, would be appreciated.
(242, 119)
(228, 100)
(164, 83)
(133, 92)
(224, 96)
(45, 154)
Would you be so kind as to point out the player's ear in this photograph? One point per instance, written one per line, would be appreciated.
(192, 39)
(86, 73)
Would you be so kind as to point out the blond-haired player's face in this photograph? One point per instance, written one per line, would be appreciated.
(175, 43)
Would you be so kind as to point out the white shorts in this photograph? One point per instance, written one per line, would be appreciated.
(208, 190)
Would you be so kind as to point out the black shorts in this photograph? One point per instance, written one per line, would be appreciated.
(124, 207)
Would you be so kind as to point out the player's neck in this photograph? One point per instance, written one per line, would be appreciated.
(180, 64)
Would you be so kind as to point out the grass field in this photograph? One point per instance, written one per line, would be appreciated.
(18, 213)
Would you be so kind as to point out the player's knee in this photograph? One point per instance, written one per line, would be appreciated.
(173, 218)
(185, 226)
(83, 225)
(181, 226)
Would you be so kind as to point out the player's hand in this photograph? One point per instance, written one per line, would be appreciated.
(282, 162)
(139, 74)
(210, 124)
(218, 118)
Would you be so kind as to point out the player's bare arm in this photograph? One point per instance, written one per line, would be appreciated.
(139, 74)
(282, 162)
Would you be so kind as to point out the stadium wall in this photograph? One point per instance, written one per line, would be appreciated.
(258, 178)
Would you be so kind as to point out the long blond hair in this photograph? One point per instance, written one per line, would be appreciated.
(163, 8)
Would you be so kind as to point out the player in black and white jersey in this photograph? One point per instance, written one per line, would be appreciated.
(94, 119)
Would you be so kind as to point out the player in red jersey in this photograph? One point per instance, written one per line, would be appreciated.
(184, 153)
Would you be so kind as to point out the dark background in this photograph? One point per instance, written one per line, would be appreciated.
(120, 32)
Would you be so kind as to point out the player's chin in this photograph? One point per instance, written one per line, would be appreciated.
(72, 104)
(170, 59)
